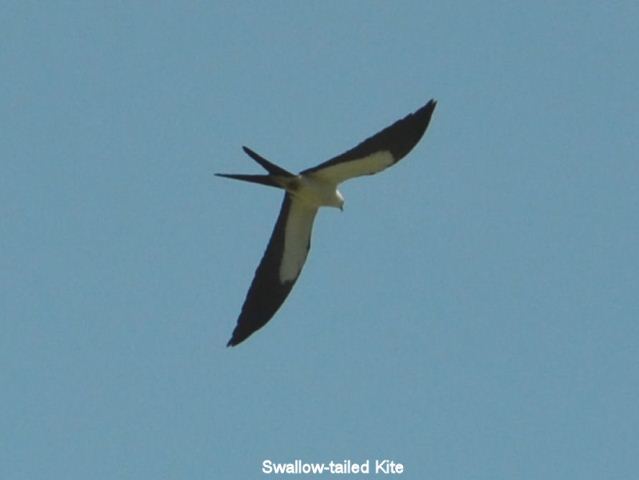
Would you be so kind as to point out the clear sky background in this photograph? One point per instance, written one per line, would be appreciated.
(473, 313)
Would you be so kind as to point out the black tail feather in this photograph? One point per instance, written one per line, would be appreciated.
(268, 166)
(261, 179)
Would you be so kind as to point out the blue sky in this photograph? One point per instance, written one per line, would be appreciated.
(471, 314)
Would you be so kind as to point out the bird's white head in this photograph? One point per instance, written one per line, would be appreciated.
(340, 200)
(334, 198)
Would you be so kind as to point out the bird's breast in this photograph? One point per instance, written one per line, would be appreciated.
(315, 192)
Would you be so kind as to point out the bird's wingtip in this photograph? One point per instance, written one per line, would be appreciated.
(236, 339)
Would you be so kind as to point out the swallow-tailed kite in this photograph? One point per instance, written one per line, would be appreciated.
(305, 193)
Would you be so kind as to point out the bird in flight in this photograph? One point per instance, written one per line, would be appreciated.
(306, 192)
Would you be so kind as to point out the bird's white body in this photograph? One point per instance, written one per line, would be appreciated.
(314, 191)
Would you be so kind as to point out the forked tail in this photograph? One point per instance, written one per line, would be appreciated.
(269, 180)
